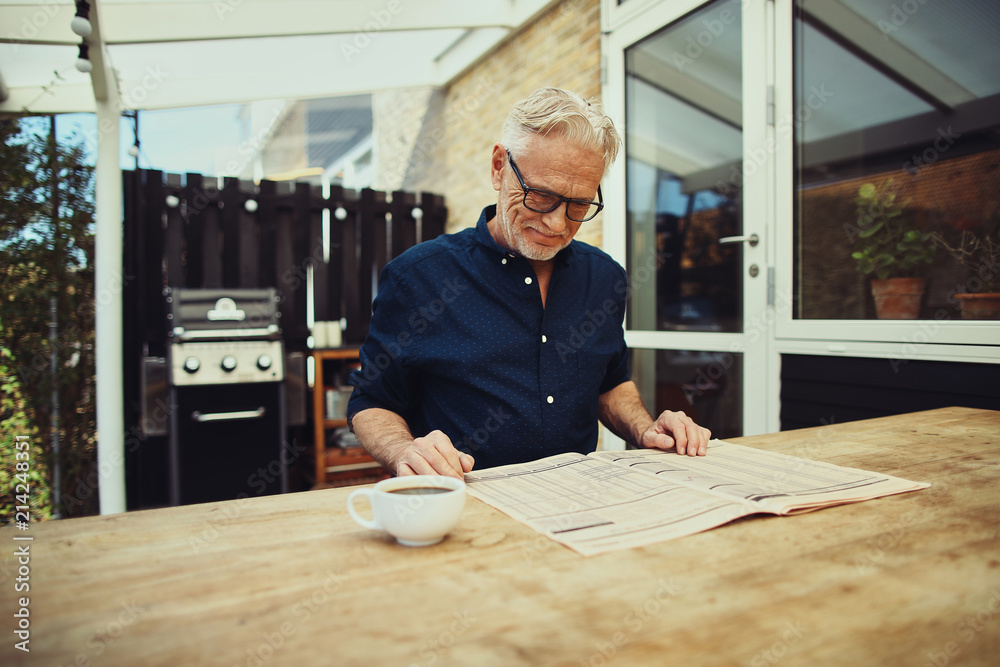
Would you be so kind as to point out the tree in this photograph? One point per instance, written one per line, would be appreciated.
(46, 252)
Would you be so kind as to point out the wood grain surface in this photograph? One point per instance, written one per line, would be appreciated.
(912, 579)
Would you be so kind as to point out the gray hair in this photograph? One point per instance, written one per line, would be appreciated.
(553, 110)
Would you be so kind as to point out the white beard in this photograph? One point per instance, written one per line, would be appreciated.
(516, 241)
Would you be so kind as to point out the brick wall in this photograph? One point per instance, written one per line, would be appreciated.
(286, 149)
(441, 140)
(407, 129)
(562, 48)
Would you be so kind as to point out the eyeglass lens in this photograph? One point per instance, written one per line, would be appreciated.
(542, 202)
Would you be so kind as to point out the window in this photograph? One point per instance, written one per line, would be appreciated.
(897, 154)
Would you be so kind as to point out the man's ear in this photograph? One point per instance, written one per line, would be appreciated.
(497, 162)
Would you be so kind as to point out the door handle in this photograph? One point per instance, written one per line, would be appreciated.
(199, 416)
(753, 240)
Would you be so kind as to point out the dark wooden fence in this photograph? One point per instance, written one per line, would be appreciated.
(196, 232)
(190, 232)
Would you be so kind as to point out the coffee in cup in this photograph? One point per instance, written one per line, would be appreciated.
(418, 510)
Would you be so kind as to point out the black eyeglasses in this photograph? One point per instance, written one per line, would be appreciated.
(543, 201)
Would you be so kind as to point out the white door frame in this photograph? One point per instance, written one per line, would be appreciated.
(627, 24)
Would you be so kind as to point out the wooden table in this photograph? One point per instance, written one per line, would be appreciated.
(912, 579)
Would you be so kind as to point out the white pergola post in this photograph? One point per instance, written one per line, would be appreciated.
(109, 283)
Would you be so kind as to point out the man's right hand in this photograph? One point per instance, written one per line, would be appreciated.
(434, 454)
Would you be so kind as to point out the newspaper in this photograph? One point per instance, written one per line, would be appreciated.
(607, 501)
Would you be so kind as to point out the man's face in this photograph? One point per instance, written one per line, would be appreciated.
(549, 163)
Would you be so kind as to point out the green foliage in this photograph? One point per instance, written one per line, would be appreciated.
(23, 471)
(889, 244)
(46, 252)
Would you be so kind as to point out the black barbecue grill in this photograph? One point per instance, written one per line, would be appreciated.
(226, 374)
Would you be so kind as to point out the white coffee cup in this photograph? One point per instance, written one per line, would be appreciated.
(418, 510)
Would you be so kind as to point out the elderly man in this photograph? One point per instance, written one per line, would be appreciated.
(503, 343)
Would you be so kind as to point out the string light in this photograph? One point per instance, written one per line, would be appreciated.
(81, 22)
(83, 60)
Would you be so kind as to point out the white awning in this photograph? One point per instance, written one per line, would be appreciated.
(184, 53)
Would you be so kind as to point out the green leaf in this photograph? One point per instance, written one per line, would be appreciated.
(871, 231)
(883, 260)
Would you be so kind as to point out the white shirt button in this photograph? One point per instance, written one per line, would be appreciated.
(527, 281)
(544, 339)
(503, 261)
(550, 399)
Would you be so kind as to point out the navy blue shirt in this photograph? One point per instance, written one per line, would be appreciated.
(459, 341)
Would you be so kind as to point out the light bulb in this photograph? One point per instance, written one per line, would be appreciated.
(81, 26)
(84, 65)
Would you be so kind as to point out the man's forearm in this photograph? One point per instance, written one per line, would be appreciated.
(383, 434)
(622, 411)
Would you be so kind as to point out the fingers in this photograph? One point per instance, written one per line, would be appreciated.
(655, 440)
(434, 454)
(680, 431)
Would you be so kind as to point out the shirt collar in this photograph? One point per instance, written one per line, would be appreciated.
(485, 238)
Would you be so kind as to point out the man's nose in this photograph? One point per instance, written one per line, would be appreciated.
(556, 220)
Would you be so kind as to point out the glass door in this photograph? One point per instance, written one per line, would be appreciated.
(689, 83)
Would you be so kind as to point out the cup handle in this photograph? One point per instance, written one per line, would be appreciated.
(372, 523)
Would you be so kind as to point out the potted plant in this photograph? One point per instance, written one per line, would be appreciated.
(975, 245)
(893, 250)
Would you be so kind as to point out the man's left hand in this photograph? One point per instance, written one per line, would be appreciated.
(676, 429)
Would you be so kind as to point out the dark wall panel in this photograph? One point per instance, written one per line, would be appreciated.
(818, 390)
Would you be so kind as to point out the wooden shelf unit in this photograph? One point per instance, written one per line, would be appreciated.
(337, 468)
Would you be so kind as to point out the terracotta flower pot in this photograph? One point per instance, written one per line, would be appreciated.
(980, 306)
(898, 298)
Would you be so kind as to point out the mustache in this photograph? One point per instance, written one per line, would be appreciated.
(543, 231)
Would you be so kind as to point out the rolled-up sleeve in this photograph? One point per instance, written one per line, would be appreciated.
(385, 379)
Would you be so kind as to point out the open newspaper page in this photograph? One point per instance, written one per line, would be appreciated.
(618, 500)
(593, 506)
(776, 483)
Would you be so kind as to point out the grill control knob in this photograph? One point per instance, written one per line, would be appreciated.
(264, 362)
(191, 364)
(228, 363)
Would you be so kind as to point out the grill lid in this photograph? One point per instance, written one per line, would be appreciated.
(223, 313)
